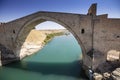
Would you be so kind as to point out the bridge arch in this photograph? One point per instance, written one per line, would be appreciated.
(30, 24)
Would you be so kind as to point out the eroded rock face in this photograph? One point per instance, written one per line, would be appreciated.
(97, 76)
(108, 71)
(28, 49)
(113, 55)
(35, 41)
(116, 74)
(106, 74)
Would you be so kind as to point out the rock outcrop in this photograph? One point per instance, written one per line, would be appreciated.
(108, 71)
(97, 76)
(116, 74)
(113, 55)
(33, 43)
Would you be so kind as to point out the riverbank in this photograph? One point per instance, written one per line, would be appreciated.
(110, 70)
(58, 60)
(37, 39)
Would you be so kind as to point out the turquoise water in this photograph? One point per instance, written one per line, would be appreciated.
(58, 60)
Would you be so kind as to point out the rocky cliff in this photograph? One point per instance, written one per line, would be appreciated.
(36, 40)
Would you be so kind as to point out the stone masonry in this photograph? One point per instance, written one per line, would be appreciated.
(97, 35)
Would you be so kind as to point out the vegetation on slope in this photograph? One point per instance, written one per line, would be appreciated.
(51, 36)
(39, 37)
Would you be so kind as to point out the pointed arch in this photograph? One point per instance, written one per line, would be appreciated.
(30, 24)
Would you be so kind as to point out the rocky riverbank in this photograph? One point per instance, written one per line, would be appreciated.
(113, 75)
(37, 39)
(110, 70)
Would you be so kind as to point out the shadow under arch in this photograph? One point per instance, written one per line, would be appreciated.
(30, 24)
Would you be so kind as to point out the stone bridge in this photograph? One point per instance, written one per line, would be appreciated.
(96, 34)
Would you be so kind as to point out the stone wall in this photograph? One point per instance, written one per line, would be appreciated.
(106, 38)
(6, 55)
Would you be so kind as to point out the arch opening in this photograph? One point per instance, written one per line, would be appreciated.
(30, 25)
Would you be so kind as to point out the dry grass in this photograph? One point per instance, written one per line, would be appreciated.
(38, 36)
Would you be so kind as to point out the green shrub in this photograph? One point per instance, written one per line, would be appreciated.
(51, 36)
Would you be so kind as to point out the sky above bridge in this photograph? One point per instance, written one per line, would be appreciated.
(13, 9)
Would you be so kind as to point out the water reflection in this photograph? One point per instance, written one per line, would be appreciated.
(67, 69)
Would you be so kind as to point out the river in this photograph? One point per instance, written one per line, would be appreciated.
(58, 60)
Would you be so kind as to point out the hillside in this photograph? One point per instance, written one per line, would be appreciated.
(37, 39)
(38, 36)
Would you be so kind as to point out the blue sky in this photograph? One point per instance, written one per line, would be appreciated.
(13, 9)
